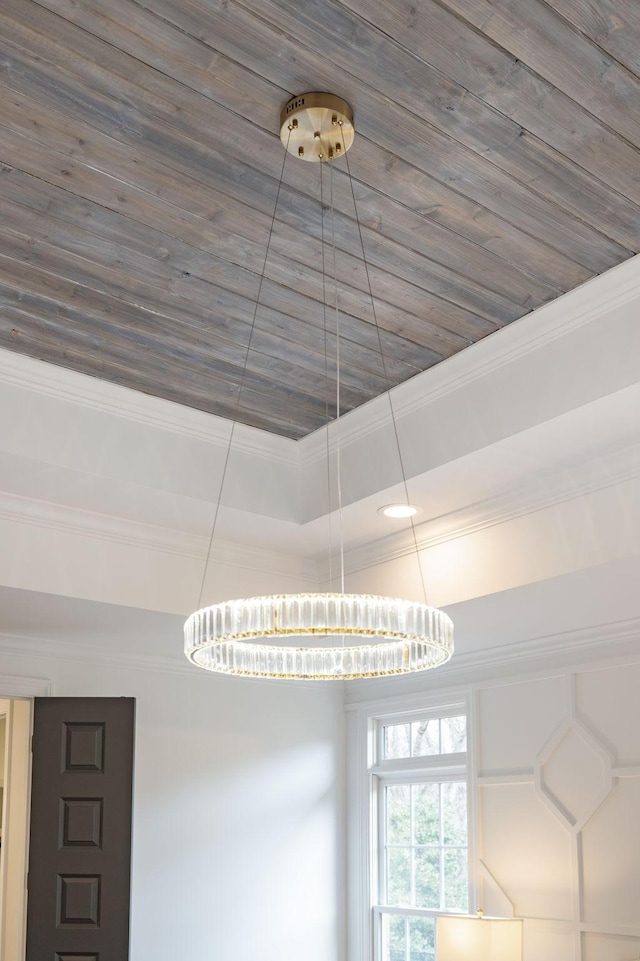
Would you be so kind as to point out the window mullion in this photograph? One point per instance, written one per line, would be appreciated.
(383, 848)
(412, 837)
(441, 805)
(404, 802)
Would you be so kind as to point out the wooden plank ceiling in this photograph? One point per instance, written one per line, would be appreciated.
(496, 165)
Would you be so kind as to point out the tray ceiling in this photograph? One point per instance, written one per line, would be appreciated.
(496, 166)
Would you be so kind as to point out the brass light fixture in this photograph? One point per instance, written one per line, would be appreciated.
(352, 635)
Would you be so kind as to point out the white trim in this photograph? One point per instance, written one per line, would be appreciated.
(612, 931)
(590, 302)
(373, 774)
(618, 468)
(627, 771)
(488, 876)
(567, 313)
(77, 521)
(605, 645)
(73, 387)
(14, 645)
(508, 777)
(42, 649)
(14, 686)
(473, 795)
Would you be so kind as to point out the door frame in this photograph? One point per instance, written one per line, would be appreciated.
(13, 944)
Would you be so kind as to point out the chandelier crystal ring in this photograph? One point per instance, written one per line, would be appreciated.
(349, 635)
(379, 636)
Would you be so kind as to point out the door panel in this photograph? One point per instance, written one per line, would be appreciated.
(80, 847)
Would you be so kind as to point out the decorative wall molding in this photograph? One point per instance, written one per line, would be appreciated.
(487, 877)
(596, 775)
(558, 872)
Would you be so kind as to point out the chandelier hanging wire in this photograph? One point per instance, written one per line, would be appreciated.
(332, 635)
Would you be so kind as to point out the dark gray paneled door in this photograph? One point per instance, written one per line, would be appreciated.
(80, 843)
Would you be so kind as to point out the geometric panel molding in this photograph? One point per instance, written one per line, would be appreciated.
(599, 697)
(83, 747)
(573, 774)
(80, 823)
(78, 901)
(602, 947)
(551, 940)
(527, 851)
(535, 709)
(610, 856)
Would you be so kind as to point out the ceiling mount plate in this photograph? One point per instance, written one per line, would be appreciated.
(316, 126)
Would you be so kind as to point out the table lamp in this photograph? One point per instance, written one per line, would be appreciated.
(469, 938)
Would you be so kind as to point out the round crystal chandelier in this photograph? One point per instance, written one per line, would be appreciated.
(318, 636)
(378, 636)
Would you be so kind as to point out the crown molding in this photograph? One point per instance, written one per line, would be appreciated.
(603, 645)
(14, 686)
(544, 491)
(12, 645)
(18, 370)
(20, 645)
(71, 520)
(74, 520)
(569, 312)
(594, 474)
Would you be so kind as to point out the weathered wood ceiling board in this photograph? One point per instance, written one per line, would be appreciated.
(496, 166)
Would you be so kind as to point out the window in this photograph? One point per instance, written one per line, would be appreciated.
(420, 838)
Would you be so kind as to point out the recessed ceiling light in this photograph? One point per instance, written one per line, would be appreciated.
(398, 510)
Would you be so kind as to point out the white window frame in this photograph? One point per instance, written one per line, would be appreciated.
(367, 781)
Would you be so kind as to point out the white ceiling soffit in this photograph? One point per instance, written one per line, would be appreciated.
(522, 452)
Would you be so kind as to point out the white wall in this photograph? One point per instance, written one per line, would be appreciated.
(556, 754)
(239, 789)
(238, 831)
(559, 788)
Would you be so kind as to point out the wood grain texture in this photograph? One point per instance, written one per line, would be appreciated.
(495, 167)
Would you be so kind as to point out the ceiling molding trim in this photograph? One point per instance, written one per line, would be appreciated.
(600, 645)
(605, 644)
(593, 475)
(73, 387)
(618, 468)
(19, 645)
(15, 686)
(567, 313)
(590, 302)
(73, 520)
(70, 520)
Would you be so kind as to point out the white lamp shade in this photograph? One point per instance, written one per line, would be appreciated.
(467, 938)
